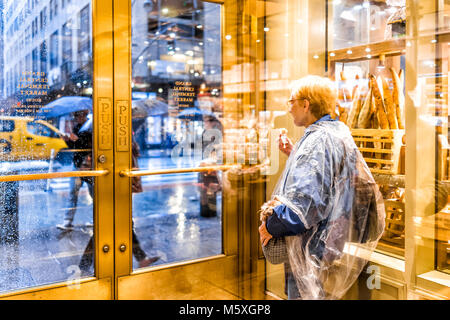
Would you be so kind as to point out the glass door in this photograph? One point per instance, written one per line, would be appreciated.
(169, 168)
(56, 230)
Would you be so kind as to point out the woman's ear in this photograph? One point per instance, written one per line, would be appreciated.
(306, 104)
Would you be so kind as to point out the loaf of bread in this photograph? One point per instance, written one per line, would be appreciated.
(355, 109)
(343, 115)
(389, 105)
(397, 97)
(379, 104)
(344, 94)
(364, 116)
(355, 88)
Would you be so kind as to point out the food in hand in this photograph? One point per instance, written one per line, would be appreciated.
(283, 137)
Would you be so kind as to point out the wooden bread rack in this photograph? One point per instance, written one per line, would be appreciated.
(381, 149)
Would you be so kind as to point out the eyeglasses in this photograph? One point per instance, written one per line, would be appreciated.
(290, 102)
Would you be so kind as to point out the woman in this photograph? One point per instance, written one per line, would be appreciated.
(326, 202)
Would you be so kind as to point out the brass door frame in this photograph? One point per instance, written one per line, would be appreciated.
(101, 285)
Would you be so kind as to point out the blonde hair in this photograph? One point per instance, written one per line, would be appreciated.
(319, 91)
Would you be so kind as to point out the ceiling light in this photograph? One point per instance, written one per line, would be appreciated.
(381, 62)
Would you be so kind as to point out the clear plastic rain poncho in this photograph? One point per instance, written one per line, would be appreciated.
(327, 183)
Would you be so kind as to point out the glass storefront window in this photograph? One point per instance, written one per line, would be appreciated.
(45, 76)
(403, 46)
(371, 38)
(430, 39)
(367, 39)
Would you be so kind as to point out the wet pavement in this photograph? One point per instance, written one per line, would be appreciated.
(166, 216)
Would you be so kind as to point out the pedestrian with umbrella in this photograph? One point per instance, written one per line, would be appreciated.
(82, 160)
(209, 181)
(63, 106)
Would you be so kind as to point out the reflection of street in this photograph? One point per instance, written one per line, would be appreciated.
(166, 217)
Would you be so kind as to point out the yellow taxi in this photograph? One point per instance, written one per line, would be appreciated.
(24, 138)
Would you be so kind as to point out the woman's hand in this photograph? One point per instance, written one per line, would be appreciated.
(284, 143)
(264, 235)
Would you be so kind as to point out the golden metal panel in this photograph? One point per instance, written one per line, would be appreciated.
(140, 173)
(105, 124)
(122, 153)
(123, 126)
(102, 24)
(215, 278)
(91, 290)
(54, 175)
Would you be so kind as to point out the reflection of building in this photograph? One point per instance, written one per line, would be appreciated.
(180, 41)
(173, 42)
(49, 36)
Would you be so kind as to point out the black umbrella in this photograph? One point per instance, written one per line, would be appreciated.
(195, 114)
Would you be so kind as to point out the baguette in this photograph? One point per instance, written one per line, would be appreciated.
(397, 96)
(355, 109)
(382, 118)
(389, 104)
(375, 120)
(366, 111)
(376, 125)
(355, 88)
(343, 115)
(344, 93)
